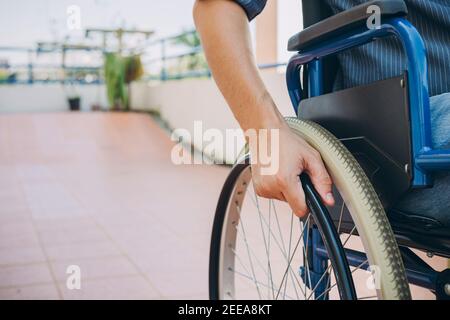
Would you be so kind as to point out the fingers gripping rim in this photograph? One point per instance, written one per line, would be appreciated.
(364, 206)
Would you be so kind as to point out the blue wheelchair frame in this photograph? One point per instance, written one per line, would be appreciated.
(425, 158)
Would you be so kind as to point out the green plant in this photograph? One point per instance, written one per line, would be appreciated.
(120, 71)
(115, 80)
(134, 69)
(3, 76)
(196, 59)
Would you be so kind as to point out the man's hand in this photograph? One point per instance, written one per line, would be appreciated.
(295, 156)
(223, 28)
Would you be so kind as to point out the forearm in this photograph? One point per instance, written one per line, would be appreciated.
(223, 28)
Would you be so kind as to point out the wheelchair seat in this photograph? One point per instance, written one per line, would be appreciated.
(419, 214)
(426, 231)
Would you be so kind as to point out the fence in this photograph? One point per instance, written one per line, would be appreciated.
(167, 65)
(164, 58)
(33, 72)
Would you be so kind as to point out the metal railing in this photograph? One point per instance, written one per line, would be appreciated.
(164, 59)
(31, 72)
(165, 66)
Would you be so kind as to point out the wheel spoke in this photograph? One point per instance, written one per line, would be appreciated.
(288, 249)
(287, 269)
(329, 267)
(285, 264)
(239, 260)
(368, 297)
(335, 284)
(269, 276)
(349, 236)
(268, 255)
(249, 255)
(255, 256)
(340, 216)
(360, 265)
(290, 260)
(289, 254)
(279, 228)
(326, 291)
(305, 253)
(320, 280)
(250, 278)
(282, 249)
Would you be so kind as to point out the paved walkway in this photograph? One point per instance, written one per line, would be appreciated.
(98, 190)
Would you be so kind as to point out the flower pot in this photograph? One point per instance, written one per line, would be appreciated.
(74, 103)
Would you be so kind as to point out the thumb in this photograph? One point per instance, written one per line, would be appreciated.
(320, 179)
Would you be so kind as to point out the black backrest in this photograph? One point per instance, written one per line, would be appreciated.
(313, 12)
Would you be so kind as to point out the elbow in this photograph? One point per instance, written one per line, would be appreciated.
(198, 7)
(202, 6)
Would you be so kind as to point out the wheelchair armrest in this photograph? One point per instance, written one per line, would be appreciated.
(342, 21)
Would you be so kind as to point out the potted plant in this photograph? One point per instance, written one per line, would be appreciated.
(74, 103)
(120, 71)
(73, 98)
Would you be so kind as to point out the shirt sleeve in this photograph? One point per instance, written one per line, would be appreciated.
(252, 7)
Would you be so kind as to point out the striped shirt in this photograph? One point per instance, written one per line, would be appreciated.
(385, 58)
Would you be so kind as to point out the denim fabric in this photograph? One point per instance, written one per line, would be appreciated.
(440, 120)
(434, 202)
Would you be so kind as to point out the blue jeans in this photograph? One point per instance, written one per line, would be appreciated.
(434, 202)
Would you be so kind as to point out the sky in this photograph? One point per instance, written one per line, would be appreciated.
(24, 22)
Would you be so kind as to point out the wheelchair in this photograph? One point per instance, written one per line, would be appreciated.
(375, 140)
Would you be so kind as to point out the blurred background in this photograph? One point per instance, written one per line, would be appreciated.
(74, 48)
(90, 91)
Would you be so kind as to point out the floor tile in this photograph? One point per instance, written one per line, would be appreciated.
(96, 268)
(64, 236)
(81, 251)
(117, 288)
(18, 240)
(21, 255)
(38, 292)
(99, 190)
(59, 223)
(24, 275)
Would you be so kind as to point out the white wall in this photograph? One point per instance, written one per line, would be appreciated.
(182, 102)
(47, 97)
(290, 21)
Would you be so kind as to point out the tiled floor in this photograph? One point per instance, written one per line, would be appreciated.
(98, 190)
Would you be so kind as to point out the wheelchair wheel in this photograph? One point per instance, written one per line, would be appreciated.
(260, 250)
